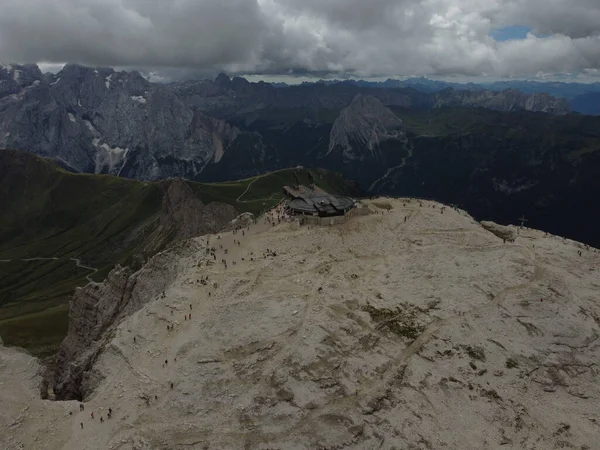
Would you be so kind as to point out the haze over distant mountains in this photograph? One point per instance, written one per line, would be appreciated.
(576, 93)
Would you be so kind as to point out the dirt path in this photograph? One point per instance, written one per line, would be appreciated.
(77, 262)
(252, 182)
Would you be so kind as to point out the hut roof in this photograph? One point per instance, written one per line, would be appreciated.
(323, 205)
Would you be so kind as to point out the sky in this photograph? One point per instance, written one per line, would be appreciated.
(304, 39)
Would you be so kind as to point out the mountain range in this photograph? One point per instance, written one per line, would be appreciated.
(575, 93)
(501, 155)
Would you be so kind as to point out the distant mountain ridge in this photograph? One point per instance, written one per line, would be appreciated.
(97, 120)
(559, 89)
(498, 154)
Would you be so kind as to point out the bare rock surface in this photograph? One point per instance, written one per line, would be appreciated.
(187, 215)
(410, 328)
(503, 232)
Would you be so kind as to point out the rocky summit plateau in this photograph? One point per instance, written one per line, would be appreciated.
(411, 327)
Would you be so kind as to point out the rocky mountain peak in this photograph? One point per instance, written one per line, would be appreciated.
(223, 81)
(366, 122)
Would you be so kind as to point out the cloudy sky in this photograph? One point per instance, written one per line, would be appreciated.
(336, 38)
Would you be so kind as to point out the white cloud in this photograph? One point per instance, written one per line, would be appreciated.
(359, 37)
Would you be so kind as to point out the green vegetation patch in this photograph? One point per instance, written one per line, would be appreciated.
(101, 220)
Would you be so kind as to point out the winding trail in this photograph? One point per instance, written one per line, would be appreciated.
(252, 182)
(77, 262)
(391, 169)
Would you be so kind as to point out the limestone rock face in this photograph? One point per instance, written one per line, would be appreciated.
(362, 127)
(183, 212)
(98, 307)
(101, 121)
(242, 221)
(503, 232)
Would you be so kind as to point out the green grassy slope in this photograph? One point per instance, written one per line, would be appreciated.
(99, 219)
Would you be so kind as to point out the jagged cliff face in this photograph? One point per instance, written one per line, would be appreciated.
(98, 307)
(187, 216)
(102, 121)
(362, 127)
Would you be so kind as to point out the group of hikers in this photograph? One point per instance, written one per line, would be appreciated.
(82, 408)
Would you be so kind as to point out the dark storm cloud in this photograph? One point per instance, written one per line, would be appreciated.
(181, 38)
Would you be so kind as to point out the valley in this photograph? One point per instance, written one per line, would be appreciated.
(57, 227)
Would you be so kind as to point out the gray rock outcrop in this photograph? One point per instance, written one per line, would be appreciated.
(363, 126)
(99, 307)
(102, 121)
(187, 216)
(503, 232)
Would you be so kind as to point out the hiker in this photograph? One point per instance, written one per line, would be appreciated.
(171, 385)
(92, 414)
(134, 339)
(166, 362)
(156, 397)
(110, 411)
(190, 316)
(81, 425)
(101, 419)
(190, 306)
